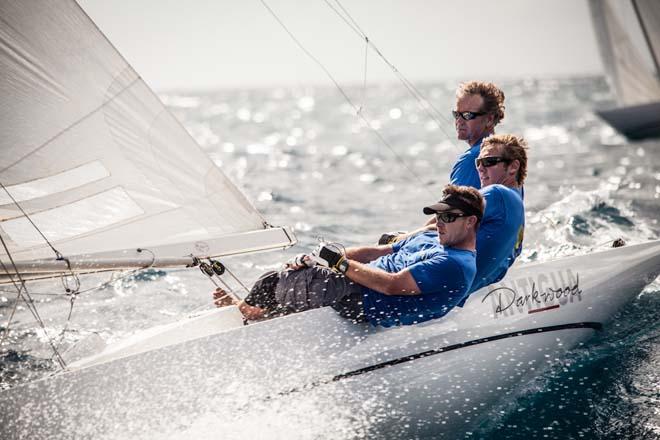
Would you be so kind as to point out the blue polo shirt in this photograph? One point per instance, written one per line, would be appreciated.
(464, 171)
(500, 235)
(443, 275)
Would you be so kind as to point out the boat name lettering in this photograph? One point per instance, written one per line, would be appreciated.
(530, 295)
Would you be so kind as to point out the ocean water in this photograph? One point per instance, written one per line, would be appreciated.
(305, 159)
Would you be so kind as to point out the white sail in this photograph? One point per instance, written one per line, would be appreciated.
(649, 16)
(94, 158)
(628, 33)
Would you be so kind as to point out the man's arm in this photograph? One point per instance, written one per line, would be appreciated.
(400, 283)
(366, 254)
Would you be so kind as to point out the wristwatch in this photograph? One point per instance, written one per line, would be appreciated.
(342, 266)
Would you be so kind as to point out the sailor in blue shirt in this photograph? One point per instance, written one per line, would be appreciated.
(422, 277)
(502, 166)
(441, 273)
(479, 108)
(412, 281)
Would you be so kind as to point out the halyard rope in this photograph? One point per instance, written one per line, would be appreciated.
(358, 110)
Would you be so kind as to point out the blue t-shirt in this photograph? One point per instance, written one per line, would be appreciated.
(500, 235)
(465, 171)
(443, 275)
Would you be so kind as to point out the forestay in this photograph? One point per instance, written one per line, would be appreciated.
(96, 161)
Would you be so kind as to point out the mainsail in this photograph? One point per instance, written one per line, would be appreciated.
(93, 163)
(628, 33)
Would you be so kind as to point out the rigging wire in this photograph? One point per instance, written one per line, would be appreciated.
(217, 269)
(57, 253)
(29, 219)
(364, 81)
(424, 103)
(27, 298)
(243, 286)
(71, 291)
(347, 98)
(5, 333)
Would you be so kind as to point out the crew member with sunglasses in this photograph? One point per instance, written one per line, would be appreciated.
(479, 108)
(502, 168)
(411, 281)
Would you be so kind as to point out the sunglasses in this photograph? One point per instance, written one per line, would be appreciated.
(467, 116)
(487, 162)
(448, 217)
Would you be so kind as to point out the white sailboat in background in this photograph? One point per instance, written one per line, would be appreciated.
(95, 161)
(628, 33)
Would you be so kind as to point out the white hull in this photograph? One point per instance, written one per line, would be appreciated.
(316, 375)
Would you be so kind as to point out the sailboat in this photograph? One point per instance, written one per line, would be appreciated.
(99, 176)
(628, 34)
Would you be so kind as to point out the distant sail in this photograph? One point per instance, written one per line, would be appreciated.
(628, 33)
(629, 40)
(94, 158)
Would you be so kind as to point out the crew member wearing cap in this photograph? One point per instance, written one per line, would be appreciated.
(502, 168)
(411, 281)
(416, 280)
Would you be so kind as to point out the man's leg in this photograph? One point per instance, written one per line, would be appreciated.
(222, 299)
(351, 306)
(311, 288)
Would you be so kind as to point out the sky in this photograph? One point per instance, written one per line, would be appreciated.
(210, 44)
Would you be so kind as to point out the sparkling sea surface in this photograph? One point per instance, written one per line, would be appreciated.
(306, 160)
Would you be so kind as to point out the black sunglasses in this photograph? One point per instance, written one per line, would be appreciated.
(448, 217)
(468, 116)
(490, 161)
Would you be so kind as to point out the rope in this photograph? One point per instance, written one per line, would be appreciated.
(68, 320)
(58, 255)
(424, 103)
(364, 81)
(71, 293)
(209, 270)
(28, 301)
(359, 113)
(25, 214)
(237, 280)
(5, 333)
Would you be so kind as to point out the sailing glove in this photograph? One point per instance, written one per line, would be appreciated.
(331, 256)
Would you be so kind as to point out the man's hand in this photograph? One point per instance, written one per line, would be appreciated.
(390, 237)
(331, 256)
(300, 261)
